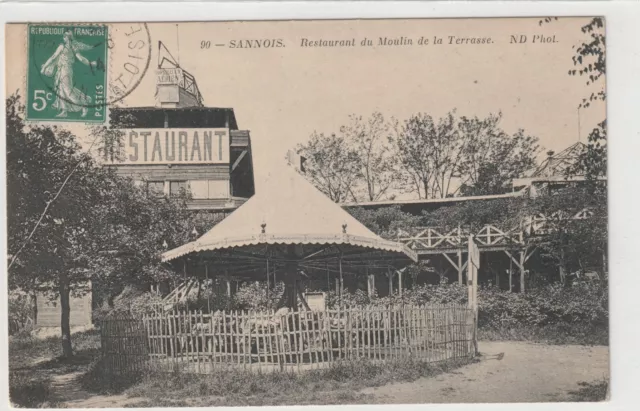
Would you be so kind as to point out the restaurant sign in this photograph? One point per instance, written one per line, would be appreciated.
(175, 146)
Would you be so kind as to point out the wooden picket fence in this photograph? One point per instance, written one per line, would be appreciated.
(123, 340)
(267, 341)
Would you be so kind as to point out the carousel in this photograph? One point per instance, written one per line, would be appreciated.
(290, 232)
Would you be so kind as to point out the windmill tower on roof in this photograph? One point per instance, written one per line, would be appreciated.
(175, 87)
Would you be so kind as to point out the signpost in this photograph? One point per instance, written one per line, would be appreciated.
(472, 283)
(316, 300)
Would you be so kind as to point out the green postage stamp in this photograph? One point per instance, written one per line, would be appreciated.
(67, 73)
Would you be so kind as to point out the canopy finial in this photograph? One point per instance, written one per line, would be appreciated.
(263, 225)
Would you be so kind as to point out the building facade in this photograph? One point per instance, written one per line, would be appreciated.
(180, 145)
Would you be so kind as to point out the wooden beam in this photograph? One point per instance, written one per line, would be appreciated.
(510, 275)
(457, 267)
(522, 271)
(530, 254)
(239, 159)
(314, 253)
(464, 266)
(460, 269)
(515, 261)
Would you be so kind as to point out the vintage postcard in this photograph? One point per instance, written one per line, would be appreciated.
(307, 212)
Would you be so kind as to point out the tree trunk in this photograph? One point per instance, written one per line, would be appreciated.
(65, 308)
(35, 308)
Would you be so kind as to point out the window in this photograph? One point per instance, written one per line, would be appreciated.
(212, 189)
(199, 188)
(156, 187)
(218, 189)
(177, 188)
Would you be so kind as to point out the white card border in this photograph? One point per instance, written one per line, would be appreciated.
(623, 83)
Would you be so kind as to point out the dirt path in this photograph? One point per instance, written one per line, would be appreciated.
(507, 372)
(70, 394)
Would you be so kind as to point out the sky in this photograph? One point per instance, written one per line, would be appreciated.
(284, 94)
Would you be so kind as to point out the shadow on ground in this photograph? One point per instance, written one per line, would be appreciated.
(37, 374)
(590, 391)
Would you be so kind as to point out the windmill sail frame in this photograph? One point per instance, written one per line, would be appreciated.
(184, 79)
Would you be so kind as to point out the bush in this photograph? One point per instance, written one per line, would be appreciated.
(133, 302)
(20, 313)
(419, 295)
(253, 296)
(583, 303)
(554, 313)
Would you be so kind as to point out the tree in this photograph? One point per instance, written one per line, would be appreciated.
(590, 59)
(331, 166)
(473, 215)
(471, 156)
(575, 228)
(428, 153)
(39, 159)
(491, 158)
(369, 140)
(384, 221)
(95, 225)
(590, 62)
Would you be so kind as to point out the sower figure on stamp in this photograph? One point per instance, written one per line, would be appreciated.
(60, 64)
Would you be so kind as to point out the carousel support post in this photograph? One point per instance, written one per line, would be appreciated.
(268, 282)
(371, 286)
(228, 282)
(291, 282)
(400, 283)
(326, 266)
(341, 282)
(206, 275)
(390, 277)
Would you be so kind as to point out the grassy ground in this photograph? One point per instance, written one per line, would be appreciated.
(35, 368)
(557, 334)
(34, 362)
(336, 385)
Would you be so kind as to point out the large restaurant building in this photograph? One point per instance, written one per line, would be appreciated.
(181, 145)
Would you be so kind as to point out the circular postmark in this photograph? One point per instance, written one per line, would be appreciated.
(129, 45)
(77, 70)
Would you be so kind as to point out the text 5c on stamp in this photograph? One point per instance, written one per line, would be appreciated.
(67, 73)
